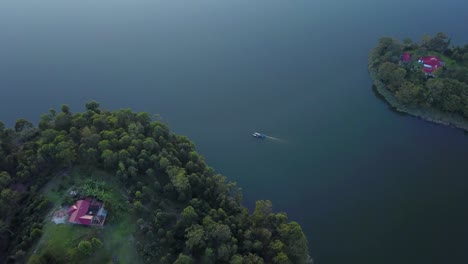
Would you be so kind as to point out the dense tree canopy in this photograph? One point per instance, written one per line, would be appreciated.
(186, 212)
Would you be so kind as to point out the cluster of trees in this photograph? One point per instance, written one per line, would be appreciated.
(21, 206)
(77, 254)
(186, 213)
(447, 92)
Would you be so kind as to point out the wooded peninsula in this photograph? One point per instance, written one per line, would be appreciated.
(118, 187)
(427, 79)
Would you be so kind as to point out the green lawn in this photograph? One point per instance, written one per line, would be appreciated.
(116, 235)
(448, 62)
(118, 239)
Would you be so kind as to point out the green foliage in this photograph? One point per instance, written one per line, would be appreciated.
(262, 210)
(189, 214)
(96, 243)
(92, 106)
(447, 92)
(5, 179)
(253, 259)
(195, 237)
(22, 124)
(36, 233)
(281, 258)
(295, 240)
(94, 189)
(388, 50)
(410, 93)
(392, 75)
(183, 259)
(85, 248)
(439, 42)
(186, 212)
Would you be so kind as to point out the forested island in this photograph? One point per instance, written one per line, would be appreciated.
(427, 79)
(149, 197)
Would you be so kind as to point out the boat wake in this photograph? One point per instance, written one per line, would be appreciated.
(263, 136)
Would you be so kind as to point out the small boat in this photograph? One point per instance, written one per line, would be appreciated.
(259, 135)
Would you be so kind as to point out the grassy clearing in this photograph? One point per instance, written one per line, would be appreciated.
(448, 62)
(116, 235)
(118, 239)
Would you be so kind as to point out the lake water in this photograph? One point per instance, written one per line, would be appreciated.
(366, 184)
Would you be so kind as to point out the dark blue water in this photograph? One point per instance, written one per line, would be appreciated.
(366, 184)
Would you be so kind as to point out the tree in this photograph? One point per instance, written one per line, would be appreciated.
(79, 121)
(4, 228)
(22, 124)
(465, 57)
(209, 256)
(138, 195)
(221, 233)
(425, 41)
(109, 158)
(164, 163)
(104, 144)
(65, 109)
(408, 43)
(65, 152)
(96, 243)
(85, 248)
(36, 233)
(262, 210)
(4, 179)
(189, 215)
(439, 42)
(252, 259)
(281, 258)
(63, 121)
(223, 253)
(9, 195)
(388, 50)
(296, 243)
(410, 94)
(92, 106)
(236, 259)
(195, 237)
(180, 181)
(183, 259)
(149, 144)
(392, 75)
(144, 118)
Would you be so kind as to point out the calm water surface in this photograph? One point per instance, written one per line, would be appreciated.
(366, 184)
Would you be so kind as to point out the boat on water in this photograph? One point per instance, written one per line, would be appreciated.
(259, 135)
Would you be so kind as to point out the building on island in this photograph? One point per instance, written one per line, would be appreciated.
(89, 212)
(430, 64)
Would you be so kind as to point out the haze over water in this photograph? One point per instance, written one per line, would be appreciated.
(366, 184)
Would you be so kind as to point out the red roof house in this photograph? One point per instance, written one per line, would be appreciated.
(87, 212)
(430, 63)
(406, 57)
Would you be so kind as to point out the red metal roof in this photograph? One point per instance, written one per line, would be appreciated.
(72, 209)
(431, 61)
(79, 216)
(86, 219)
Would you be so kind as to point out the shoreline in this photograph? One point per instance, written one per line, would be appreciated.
(426, 114)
